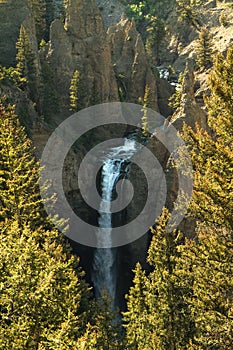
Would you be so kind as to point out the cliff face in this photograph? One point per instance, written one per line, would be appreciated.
(111, 11)
(81, 44)
(131, 66)
(181, 36)
(190, 111)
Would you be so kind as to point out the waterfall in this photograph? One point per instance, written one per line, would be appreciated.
(104, 274)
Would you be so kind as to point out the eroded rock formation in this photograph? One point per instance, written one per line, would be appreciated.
(111, 11)
(189, 112)
(81, 45)
(131, 66)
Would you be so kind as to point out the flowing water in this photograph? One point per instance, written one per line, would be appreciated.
(104, 274)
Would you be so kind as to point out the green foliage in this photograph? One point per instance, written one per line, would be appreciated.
(105, 334)
(209, 262)
(19, 177)
(148, 103)
(188, 10)
(9, 75)
(209, 259)
(175, 99)
(155, 34)
(50, 103)
(44, 301)
(39, 14)
(75, 92)
(41, 295)
(136, 319)
(26, 65)
(158, 315)
(212, 154)
(204, 49)
(168, 289)
(150, 20)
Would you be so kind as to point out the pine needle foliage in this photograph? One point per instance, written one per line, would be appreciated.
(26, 65)
(19, 175)
(212, 153)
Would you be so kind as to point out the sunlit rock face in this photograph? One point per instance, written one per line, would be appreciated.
(189, 112)
(130, 62)
(81, 45)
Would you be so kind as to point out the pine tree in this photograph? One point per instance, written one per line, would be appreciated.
(175, 99)
(39, 14)
(50, 103)
(212, 153)
(210, 257)
(148, 103)
(19, 176)
(26, 65)
(155, 34)
(168, 289)
(211, 262)
(158, 315)
(43, 300)
(105, 333)
(219, 104)
(75, 92)
(187, 10)
(136, 319)
(204, 49)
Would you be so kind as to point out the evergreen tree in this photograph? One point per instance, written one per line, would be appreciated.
(75, 92)
(45, 303)
(168, 289)
(175, 99)
(210, 257)
(136, 320)
(19, 197)
(204, 49)
(147, 100)
(158, 315)
(50, 103)
(39, 14)
(106, 332)
(212, 153)
(187, 10)
(155, 34)
(42, 298)
(211, 262)
(26, 65)
(148, 103)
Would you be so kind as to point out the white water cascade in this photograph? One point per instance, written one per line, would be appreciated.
(104, 274)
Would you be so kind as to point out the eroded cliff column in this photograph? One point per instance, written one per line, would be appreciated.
(81, 44)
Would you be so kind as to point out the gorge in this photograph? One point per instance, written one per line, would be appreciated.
(109, 53)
